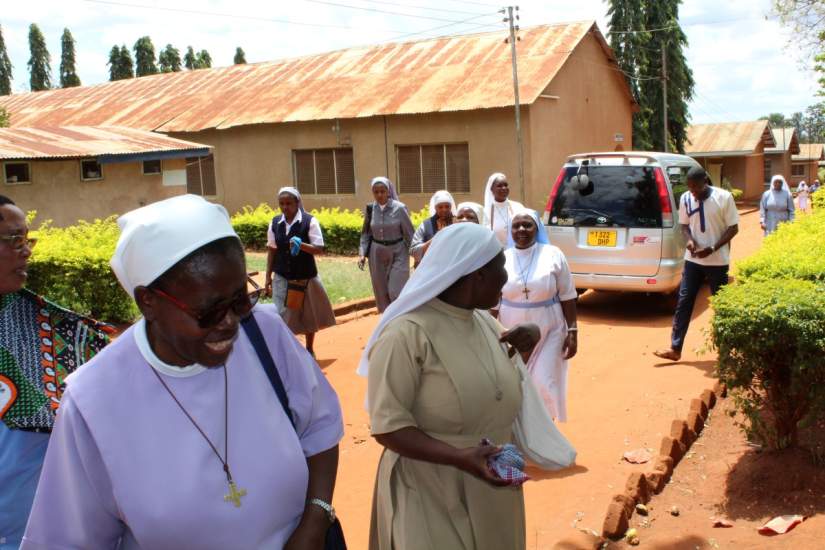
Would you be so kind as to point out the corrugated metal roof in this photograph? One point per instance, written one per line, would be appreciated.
(728, 138)
(439, 75)
(810, 151)
(84, 141)
(786, 140)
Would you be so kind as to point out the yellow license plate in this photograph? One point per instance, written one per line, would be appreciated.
(601, 238)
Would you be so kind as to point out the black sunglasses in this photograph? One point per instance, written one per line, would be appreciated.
(241, 306)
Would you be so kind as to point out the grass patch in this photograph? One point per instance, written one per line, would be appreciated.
(342, 279)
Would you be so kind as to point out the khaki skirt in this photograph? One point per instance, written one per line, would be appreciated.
(315, 312)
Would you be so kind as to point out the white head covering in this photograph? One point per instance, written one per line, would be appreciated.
(489, 199)
(457, 250)
(386, 182)
(290, 190)
(475, 207)
(781, 178)
(157, 236)
(440, 197)
(541, 232)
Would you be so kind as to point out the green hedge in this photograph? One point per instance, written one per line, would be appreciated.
(771, 341)
(71, 267)
(795, 250)
(818, 199)
(341, 228)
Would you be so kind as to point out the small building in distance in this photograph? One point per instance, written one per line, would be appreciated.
(733, 152)
(805, 165)
(778, 158)
(79, 172)
(430, 114)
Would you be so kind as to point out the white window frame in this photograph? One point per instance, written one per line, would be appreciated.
(143, 168)
(5, 178)
(83, 176)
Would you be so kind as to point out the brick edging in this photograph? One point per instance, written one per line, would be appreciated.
(641, 486)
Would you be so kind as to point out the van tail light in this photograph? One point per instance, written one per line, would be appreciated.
(664, 198)
(555, 191)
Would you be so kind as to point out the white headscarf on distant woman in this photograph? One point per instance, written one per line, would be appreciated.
(441, 197)
(294, 192)
(475, 207)
(457, 250)
(489, 198)
(781, 178)
(386, 182)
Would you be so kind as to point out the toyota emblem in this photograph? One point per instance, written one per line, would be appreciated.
(601, 219)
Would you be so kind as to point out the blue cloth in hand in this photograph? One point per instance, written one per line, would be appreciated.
(295, 245)
(509, 465)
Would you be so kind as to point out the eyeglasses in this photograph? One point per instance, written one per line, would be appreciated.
(19, 242)
(242, 306)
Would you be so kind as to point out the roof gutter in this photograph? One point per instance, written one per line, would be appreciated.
(155, 155)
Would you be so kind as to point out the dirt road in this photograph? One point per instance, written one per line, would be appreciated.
(621, 397)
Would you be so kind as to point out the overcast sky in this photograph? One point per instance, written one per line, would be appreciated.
(741, 60)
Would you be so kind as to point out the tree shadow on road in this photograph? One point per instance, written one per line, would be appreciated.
(634, 309)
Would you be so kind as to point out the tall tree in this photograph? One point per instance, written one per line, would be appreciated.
(806, 18)
(4, 118)
(127, 67)
(169, 59)
(40, 68)
(240, 56)
(204, 60)
(777, 120)
(145, 57)
(68, 74)
(114, 63)
(5, 67)
(627, 18)
(190, 61)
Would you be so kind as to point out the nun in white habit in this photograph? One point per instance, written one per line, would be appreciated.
(776, 205)
(498, 207)
(440, 381)
(470, 212)
(442, 214)
(172, 436)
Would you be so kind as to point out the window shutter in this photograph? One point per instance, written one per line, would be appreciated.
(305, 172)
(458, 168)
(193, 176)
(324, 172)
(345, 171)
(409, 169)
(210, 188)
(432, 164)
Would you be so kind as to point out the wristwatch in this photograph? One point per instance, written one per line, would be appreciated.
(327, 507)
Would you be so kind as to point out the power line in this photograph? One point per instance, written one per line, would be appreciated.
(376, 10)
(485, 4)
(229, 15)
(679, 25)
(418, 6)
(440, 27)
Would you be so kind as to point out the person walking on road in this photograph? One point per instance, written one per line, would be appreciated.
(776, 205)
(709, 220)
(385, 241)
(803, 194)
(540, 290)
(441, 381)
(499, 207)
(293, 240)
(442, 214)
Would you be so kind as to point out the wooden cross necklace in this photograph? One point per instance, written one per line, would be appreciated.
(525, 276)
(235, 494)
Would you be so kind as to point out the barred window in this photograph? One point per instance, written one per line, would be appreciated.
(324, 171)
(797, 169)
(428, 168)
(200, 176)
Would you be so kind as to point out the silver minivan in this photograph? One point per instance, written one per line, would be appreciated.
(615, 217)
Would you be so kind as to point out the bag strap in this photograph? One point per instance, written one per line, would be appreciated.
(253, 331)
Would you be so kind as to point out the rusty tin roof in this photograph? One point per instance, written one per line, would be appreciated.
(84, 141)
(810, 151)
(786, 140)
(728, 138)
(456, 73)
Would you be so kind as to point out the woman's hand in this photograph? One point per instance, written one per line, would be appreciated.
(361, 261)
(523, 338)
(310, 534)
(473, 460)
(268, 288)
(571, 345)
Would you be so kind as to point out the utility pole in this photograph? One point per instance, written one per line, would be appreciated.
(519, 144)
(664, 99)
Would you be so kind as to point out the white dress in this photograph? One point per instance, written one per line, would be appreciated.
(501, 214)
(547, 276)
(802, 192)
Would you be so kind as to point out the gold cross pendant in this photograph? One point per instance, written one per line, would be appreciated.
(234, 495)
(526, 293)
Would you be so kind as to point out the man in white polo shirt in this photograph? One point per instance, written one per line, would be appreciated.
(709, 220)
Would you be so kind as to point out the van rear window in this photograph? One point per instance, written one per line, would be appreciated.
(615, 196)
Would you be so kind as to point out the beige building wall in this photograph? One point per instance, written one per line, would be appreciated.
(593, 109)
(780, 164)
(57, 193)
(810, 174)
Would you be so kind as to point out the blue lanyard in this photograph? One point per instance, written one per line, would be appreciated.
(700, 209)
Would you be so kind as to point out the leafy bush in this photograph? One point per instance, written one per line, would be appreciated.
(771, 341)
(796, 250)
(341, 227)
(737, 194)
(71, 267)
(818, 199)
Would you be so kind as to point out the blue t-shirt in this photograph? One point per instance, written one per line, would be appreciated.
(21, 457)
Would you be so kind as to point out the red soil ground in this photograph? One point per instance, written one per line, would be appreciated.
(621, 397)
